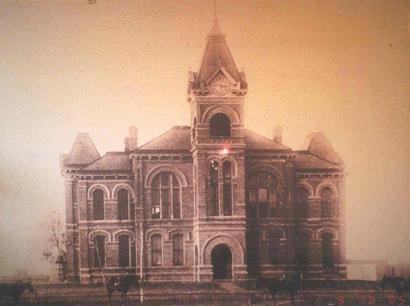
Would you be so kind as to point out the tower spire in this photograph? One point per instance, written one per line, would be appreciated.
(217, 57)
(215, 30)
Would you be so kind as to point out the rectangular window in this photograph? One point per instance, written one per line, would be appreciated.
(263, 195)
(165, 201)
(227, 199)
(176, 204)
(302, 253)
(252, 202)
(263, 209)
(274, 247)
(178, 250)
(252, 210)
(156, 213)
(123, 201)
(156, 245)
(165, 179)
(99, 251)
(214, 200)
(253, 237)
(155, 204)
(98, 205)
(214, 190)
(252, 195)
(124, 251)
(253, 254)
(326, 209)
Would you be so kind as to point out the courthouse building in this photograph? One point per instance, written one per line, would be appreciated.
(212, 200)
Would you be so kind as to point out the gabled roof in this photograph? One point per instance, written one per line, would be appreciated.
(177, 138)
(114, 161)
(83, 151)
(255, 141)
(216, 56)
(317, 144)
(306, 161)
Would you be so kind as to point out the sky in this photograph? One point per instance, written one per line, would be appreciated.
(342, 67)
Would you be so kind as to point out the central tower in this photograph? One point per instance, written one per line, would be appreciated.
(216, 97)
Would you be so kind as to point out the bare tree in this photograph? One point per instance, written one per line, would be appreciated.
(56, 238)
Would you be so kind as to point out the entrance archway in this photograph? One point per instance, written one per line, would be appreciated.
(221, 259)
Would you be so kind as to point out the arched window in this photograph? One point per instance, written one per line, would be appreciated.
(166, 196)
(214, 190)
(327, 251)
(98, 204)
(178, 250)
(227, 188)
(262, 201)
(156, 250)
(220, 126)
(302, 248)
(301, 203)
(326, 196)
(274, 246)
(123, 204)
(124, 251)
(99, 251)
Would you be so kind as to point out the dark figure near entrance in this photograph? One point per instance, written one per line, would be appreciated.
(121, 285)
(221, 259)
(275, 286)
(15, 289)
(400, 284)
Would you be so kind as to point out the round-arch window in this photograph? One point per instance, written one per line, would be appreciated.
(166, 193)
(220, 126)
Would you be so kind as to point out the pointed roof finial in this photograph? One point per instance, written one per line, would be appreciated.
(215, 31)
(216, 56)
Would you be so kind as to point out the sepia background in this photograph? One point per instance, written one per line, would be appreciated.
(338, 66)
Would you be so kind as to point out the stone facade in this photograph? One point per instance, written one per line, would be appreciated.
(206, 201)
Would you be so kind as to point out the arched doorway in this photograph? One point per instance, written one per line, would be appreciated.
(221, 259)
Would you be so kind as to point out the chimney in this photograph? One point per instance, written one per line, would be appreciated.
(277, 134)
(131, 142)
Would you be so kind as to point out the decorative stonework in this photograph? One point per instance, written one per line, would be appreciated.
(236, 248)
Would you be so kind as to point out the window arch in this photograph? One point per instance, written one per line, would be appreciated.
(124, 251)
(327, 250)
(326, 203)
(262, 197)
(301, 203)
(124, 207)
(220, 126)
(99, 251)
(156, 250)
(98, 204)
(178, 249)
(166, 196)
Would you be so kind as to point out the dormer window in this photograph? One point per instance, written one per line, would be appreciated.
(220, 126)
